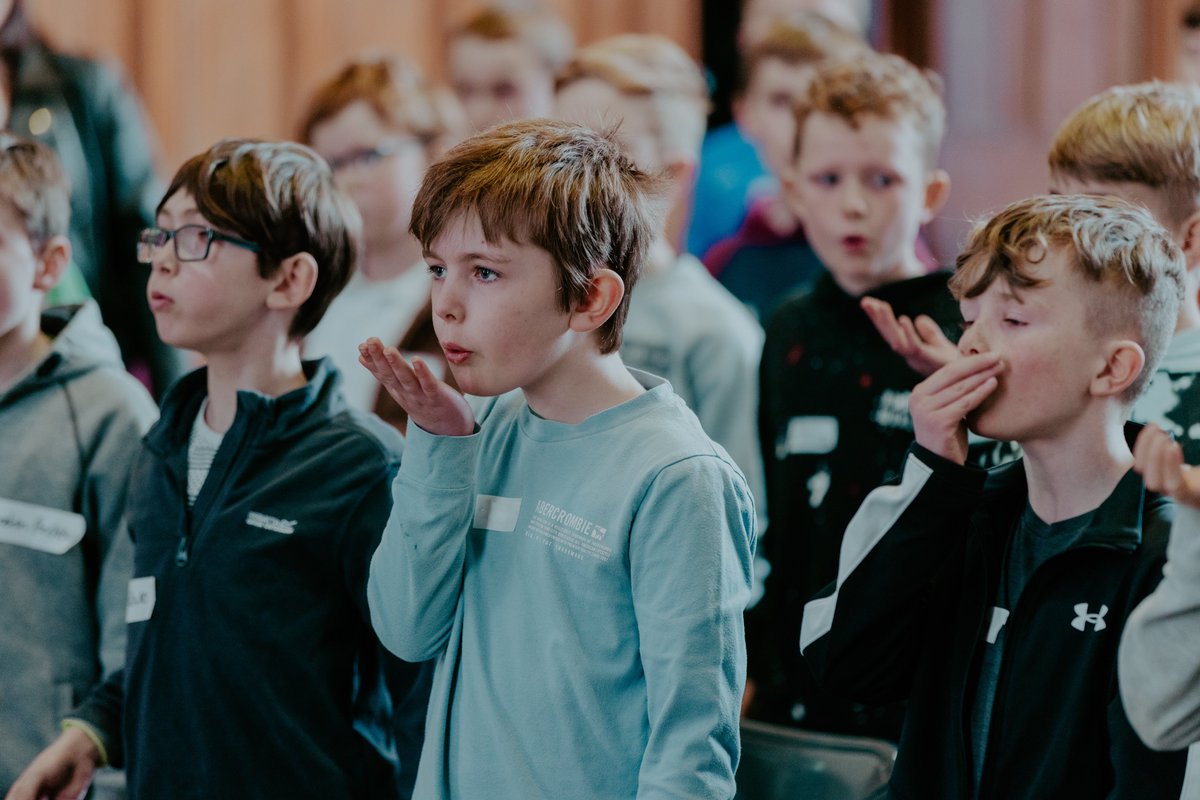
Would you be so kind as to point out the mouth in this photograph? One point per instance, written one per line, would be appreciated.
(456, 354)
(159, 301)
(854, 243)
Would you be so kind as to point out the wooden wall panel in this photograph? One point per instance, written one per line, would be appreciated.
(213, 68)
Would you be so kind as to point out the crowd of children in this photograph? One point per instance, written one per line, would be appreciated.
(488, 486)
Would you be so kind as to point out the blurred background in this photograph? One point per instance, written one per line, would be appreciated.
(1012, 69)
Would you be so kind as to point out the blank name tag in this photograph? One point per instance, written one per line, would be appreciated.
(497, 513)
(140, 605)
(50, 530)
(810, 436)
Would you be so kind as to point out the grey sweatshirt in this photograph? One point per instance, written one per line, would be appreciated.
(1159, 659)
(69, 430)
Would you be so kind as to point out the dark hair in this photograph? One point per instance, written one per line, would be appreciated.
(281, 196)
(562, 187)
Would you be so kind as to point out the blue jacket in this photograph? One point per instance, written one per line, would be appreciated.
(252, 670)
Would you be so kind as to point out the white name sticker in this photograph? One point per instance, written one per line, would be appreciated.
(140, 605)
(999, 617)
(497, 513)
(809, 435)
(50, 530)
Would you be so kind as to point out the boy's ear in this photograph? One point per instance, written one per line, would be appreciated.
(937, 191)
(604, 295)
(1190, 242)
(1123, 363)
(52, 262)
(294, 282)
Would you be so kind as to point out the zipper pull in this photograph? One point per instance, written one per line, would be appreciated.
(181, 552)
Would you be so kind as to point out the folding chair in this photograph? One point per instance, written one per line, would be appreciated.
(781, 763)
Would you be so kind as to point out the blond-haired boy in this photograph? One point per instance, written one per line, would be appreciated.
(72, 422)
(502, 63)
(993, 600)
(682, 325)
(578, 561)
(834, 414)
(379, 123)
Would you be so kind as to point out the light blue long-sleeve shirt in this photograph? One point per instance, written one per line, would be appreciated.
(582, 588)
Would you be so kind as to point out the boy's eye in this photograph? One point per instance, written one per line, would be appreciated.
(505, 90)
(882, 180)
(437, 270)
(825, 179)
(966, 323)
(486, 275)
(1011, 321)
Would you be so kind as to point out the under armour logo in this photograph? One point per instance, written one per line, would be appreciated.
(1081, 621)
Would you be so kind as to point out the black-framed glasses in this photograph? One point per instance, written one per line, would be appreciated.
(191, 242)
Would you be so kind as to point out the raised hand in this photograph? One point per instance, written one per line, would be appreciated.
(429, 402)
(940, 403)
(921, 342)
(1159, 459)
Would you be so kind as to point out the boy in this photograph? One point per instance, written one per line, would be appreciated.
(1140, 143)
(579, 561)
(731, 168)
(502, 64)
(833, 414)
(1156, 662)
(682, 325)
(73, 421)
(255, 506)
(376, 123)
(768, 258)
(993, 600)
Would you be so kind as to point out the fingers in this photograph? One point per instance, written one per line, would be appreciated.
(931, 333)
(1159, 459)
(980, 365)
(884, 319)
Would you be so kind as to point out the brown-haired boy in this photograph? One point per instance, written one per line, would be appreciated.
(768, 258)
(255, 506)
(682, 325)
(994, 600)
(578, 562)
(833, 416)
(502, 63)
(379, 124)
(73, 420)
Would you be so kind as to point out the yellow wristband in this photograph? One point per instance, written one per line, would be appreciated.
(92, 734)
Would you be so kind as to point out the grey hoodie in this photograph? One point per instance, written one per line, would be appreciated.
(69, 431)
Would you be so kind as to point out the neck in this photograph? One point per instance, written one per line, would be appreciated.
(1060, 487)
(583, 387)
(384, 261)
(909, 267)
(276, 371)
(660, 258)
(21, 348)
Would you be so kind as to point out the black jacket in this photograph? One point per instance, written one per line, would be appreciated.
(257, 674)
(920, 567)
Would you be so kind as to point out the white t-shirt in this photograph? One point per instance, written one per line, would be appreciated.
(202, 449)
(366, 308)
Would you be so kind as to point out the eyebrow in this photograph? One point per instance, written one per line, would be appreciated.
(493, 257)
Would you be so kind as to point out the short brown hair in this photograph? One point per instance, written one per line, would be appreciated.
(34, 186)
(877, 84)
(806, 39)
(281, 197)
(1148, 133)
(541, 31)
(652, 66)
(556, 185)
(1137, 268)
(395, 90)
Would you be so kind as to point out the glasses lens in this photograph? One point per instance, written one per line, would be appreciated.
(191, 243)
(149, 240)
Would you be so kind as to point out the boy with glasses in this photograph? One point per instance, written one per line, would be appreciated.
(255, 506)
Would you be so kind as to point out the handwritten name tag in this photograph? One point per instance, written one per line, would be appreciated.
(50, 530)
(140, 605)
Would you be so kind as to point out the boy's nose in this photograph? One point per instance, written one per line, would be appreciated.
(971, 342)
(854, 200)
(447, 301)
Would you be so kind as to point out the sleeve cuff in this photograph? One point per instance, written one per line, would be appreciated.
(92, 733)
(439, 461)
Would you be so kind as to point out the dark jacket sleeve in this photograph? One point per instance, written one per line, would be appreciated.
(862, 635)
(103, 710)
